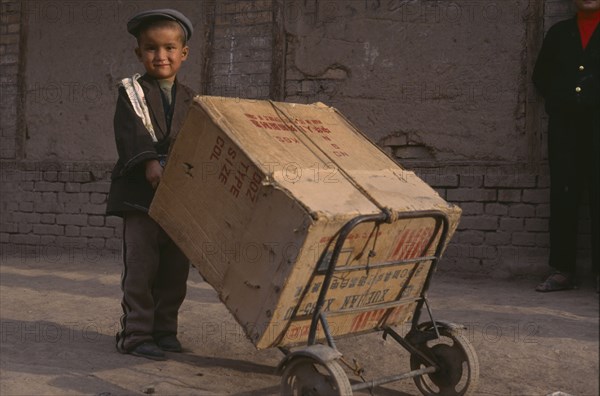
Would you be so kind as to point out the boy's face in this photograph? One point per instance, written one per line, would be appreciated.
(161, 51)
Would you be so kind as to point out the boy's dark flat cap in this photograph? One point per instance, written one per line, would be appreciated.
(138, 20)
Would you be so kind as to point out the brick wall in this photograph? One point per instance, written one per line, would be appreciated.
(504, 227)
(60, 205)
(57, 207)
(10, 38)
(239, 52)
(56, 204)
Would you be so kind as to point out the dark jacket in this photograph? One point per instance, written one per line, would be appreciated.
(565, 74)
(129, 188)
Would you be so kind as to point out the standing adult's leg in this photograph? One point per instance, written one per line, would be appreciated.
(594, 188)
(565, 191)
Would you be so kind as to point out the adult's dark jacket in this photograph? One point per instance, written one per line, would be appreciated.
(565, 74)
(129, 188)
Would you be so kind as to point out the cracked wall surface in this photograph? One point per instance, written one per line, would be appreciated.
(448, 75)
(75, 55)
(442, 86)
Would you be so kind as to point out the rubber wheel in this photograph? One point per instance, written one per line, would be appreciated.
(304, 376)
(458, 372)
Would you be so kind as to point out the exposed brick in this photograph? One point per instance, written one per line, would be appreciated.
(522, 256)
(542, 210)
(48, 239)
(8, 227)
(97, 232)
(98, 198)
(496, 209)
(9, 39)
(23, 196)
(240, 7)
(439, 180)
(72, 187)
(21, 217)
(478, 223)
(73, 208)
(497, 238)
(515, 180)
(72, 241)
(113, 221)
(9, 207)
(458, 263)
(71, 230)
(542, 239)
(470, 251)
(523, 239)
(48, 218)
(114, 244)
(80, 177)
(511, 224)
(48, 207)
(471, 181)
(74, 197)
(48, 186)
(471, 237)
(24, 239)
(72, 219)
(26, 206)
(25, 228)
(13, 28)
(536, 224)
(50, 176)
(96, 243)
(509, 195)
(441, 192)
(98, 187)
(47, 229)
(471, 208)
(49, 197)
(543, 181)
(96, 221)
(536, 196)
(93, 209)
(522, 210)
(471, 194)
(26, 186)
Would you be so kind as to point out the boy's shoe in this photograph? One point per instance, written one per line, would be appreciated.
(169, 343)
(148, 350)
(557, 281)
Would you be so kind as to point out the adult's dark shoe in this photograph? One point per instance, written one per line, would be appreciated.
(148, 350)
(169, 343)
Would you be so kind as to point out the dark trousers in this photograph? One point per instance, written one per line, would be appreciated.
(154, 280)
(574, 155)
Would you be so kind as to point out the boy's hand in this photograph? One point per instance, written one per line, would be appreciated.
(153, 172)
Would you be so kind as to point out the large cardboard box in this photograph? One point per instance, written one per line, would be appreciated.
(253, 193)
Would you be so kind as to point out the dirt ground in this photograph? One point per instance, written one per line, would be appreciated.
(59, 315)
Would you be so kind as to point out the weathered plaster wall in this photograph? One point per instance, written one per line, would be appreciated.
(75, 55)
(442, 85)
(447, 76)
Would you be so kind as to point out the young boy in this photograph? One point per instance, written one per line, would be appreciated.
(155, 270)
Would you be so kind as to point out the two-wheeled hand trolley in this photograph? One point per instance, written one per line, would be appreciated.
(442, 360)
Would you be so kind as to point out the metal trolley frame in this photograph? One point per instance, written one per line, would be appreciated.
(442, 360)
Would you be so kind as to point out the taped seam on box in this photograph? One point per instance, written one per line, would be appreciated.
(388, 211)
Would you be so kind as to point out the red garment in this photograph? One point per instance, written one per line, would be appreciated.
(587, 22)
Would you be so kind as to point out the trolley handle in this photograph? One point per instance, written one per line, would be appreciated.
(341, 239)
